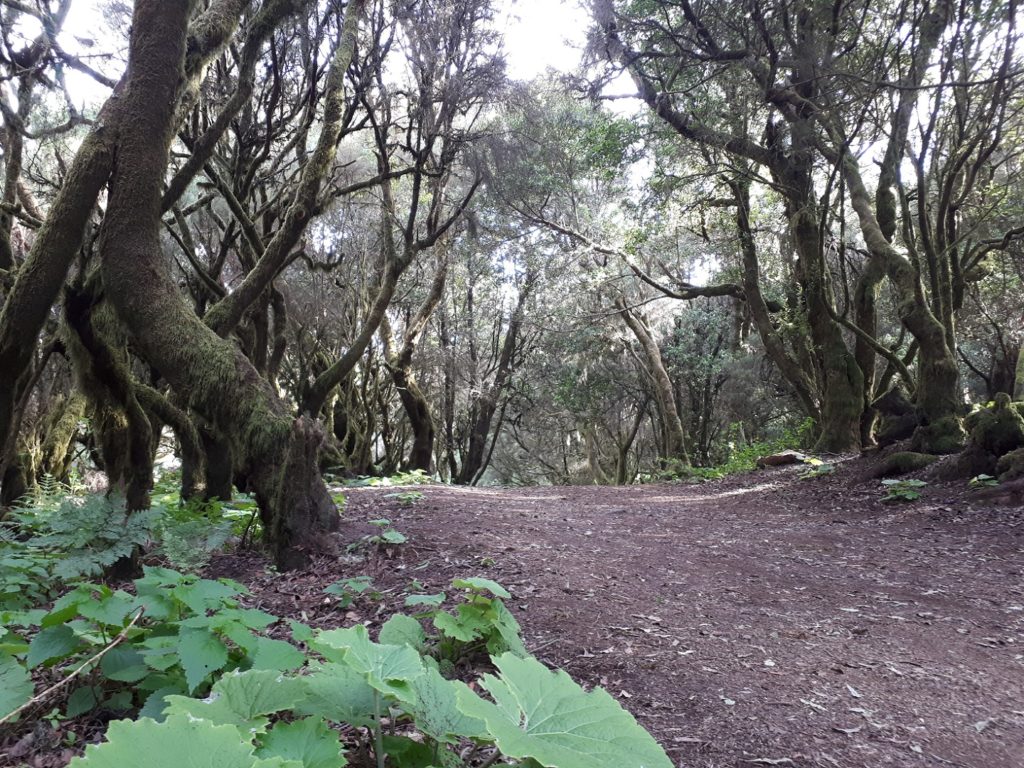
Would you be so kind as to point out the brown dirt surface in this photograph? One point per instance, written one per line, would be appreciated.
(757, 620)
(760, 620)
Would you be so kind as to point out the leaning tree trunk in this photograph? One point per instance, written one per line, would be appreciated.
(675, 443)
(277, 452)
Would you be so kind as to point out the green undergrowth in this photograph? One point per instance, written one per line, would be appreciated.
(741, 457)
(199, 679)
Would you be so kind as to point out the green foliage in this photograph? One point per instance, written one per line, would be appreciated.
(412, 715)
(92, 534)
(982, 481)
(189, 631)
(388, 536)
(15, 684)
(406, 498)
(817, 468)
(543, 715)
(902, 490)
(191, 532)
(415, 477)
(480, 623)
(347, 590)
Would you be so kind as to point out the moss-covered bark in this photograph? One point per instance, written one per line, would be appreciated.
(277, 452)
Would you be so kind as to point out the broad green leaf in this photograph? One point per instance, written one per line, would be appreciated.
(277, 654)
(15, 685)
(242, 699)
(201, 652)
(301, 633)
(467, 624)
(402, 630)
(66, 606)
(509, 636)
(430, 600)
(125, 665)
(205, 594)
(52, 643)
(437, 713)
(480, 584)
(82, 700)
(178, 742)
(387, 668)
(156, 702)
(308, 741)
(338, 693)
(111, 611)
(407, 753)
(544, 715)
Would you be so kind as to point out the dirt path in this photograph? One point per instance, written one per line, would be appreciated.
(759, 621)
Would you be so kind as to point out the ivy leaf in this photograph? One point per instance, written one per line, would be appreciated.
(201, 652)
(403, 630)
(15, 685)
(52, 643)
(387, 668)
(308, 741)
(544, 715)
(338, 693)
(176, 742)
(437, 713)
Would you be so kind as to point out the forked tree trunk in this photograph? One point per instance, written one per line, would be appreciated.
(675, 436)
(277, 452)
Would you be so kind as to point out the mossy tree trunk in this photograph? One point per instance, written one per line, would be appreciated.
(56, 243)
(277, 452)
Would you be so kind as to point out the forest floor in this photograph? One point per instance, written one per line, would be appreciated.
(758, 620)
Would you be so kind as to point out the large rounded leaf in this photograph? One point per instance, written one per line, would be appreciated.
(544, 715)
(178, 742)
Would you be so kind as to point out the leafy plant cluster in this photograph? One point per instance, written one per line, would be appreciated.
(211, 689)
(61, 536)
(902, 490)
(742, 458)
(414, 477)
(176, 631)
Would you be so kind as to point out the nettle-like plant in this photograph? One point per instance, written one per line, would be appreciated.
(173, 636)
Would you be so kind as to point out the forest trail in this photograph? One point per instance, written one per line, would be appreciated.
(760, 620)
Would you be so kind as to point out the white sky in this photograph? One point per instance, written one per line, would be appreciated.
(538, 34)
(541, 34)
